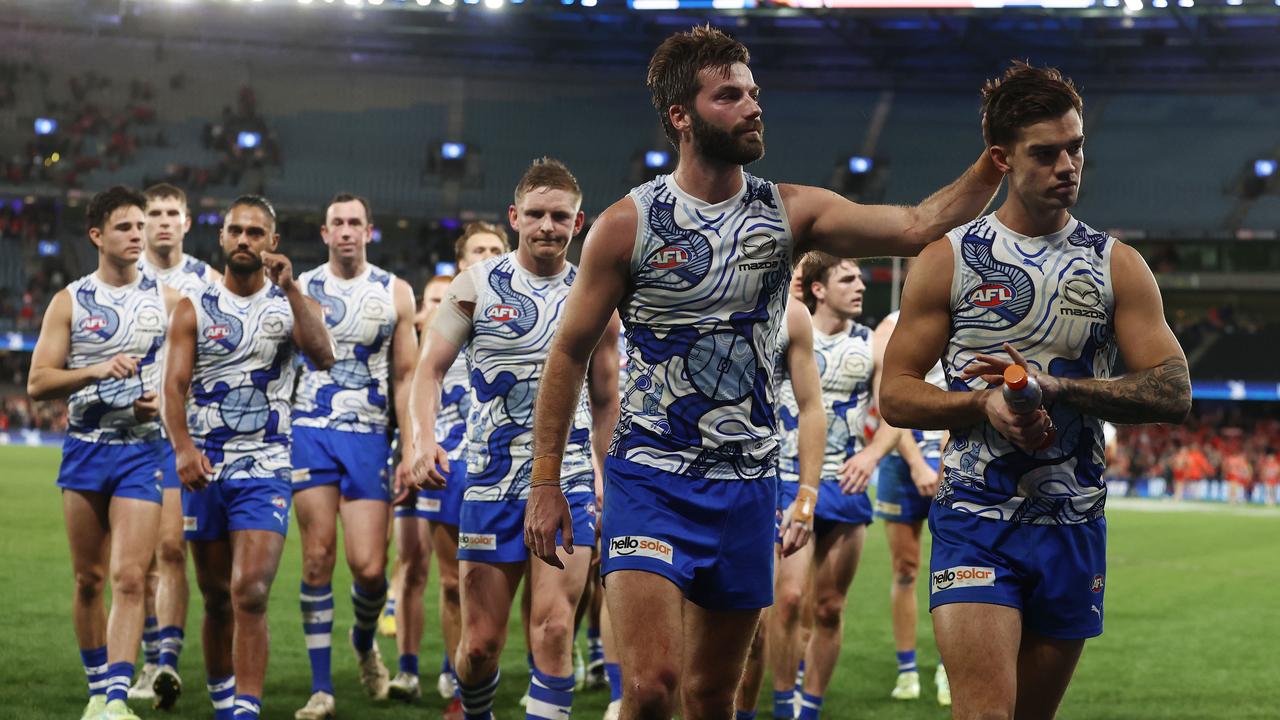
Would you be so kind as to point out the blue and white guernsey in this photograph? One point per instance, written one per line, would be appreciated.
(455, 405)
(1051, 299)
(238, 411)
(788, 412)
(709, 296)
(360, 314)
(929, 441)
(516, 315)
(107, 321)
(188, 277)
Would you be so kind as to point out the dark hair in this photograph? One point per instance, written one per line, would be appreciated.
(546, 172)
(256, 201)
(476, 228)
(161, 191)
(1023, 96)
(110, 200)
(674, 68)
(815, 267)
(348, 197)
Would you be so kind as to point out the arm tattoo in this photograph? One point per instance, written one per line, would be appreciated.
(1159, 394)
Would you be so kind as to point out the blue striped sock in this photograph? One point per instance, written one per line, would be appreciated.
(784, 704)
(477, 700)
(907, 661)
(222, 693)
(317, 627)
(390, 609)
(151, 640)
(528, 661)
(368, 607)
(550, 697)
(744, 715)
(613, 673)
(171, 641)
(248, 707)
(119, 675)
(810, 706)
(595, 648)
(409, 663)
(446, 665)
(95, 669)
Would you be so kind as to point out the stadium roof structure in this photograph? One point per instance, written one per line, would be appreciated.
(1213, 44)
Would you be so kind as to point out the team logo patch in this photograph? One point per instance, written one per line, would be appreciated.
(301, 475)
(477, 541)
(502, 313)
(991, 295)
(279, 502)
(190, 524)
(962, 576)
(1097, 583)
(641, 546)
(669, 257)
(93, 323)
(217, 332)
(759, 247)
(1082, 299)
(429, 504)
(888, 508)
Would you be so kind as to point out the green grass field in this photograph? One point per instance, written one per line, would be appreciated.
(1193, 623)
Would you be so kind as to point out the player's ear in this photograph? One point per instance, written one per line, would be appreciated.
(275, 241)
(578, 222)
(679, 118)
(186, 223)
(95, 237)
(512, 216)
(1000, 156)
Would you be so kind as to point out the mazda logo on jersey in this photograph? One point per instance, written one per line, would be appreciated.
(758, 247)
(502, 313)
(669, 257)
(93, 323)
(991, 295)
(217, 332)
(1081, 292)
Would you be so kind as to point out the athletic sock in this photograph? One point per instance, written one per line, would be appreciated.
(95, 669)
(810, 706)
(317, 626)
(119, 675)
(907, 661)
(222, 693)
(784, 704)
(409, 664)
(446, 666)
(613, 672)
(390, 609)
(477, 700)
(595, 648)
(151, 641)
(744, 715)
(550, 697)
(800, 677)
(368, 606)
(248, 707)
(171, 641)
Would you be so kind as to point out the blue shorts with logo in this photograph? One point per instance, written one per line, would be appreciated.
(127, 470)
(442, 506)
(234, 504)
(834, 507)
(492, 531)
(713, 539)
(1054, 574)
(896, 496)
(356, 462)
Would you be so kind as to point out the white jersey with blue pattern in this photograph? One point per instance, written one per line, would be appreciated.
(1051, 299)
(188, 277)
(242, 381)
(709, 296)
(360, 313)
(929, 441)
(455, 404)
(107, 321)
(516, 315)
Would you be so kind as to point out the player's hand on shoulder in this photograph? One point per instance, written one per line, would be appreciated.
(194, 468)
(147, 407)
(279, 269)
(856, 473)
(117, 367)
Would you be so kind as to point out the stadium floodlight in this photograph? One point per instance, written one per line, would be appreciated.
(1235, 2)
(447, 2)
(654, 159)
(353, 3)
(1186, 3)
(424, 3)
(452, 150)
(46, 126)
(1133, 5)
(304, 2)
(494, 4)
(375, 2)
(48, 248)
(1264, 168)
(248, 140)
(588, 3)
(1111, 3)
(859, 165)
(1160, 3)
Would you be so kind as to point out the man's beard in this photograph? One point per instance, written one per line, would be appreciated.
(244, 263)
(724, 145)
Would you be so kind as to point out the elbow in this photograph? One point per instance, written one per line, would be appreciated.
(891, 409)
(1182, 410)
(37, 391)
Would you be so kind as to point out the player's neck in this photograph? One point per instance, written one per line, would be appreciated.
(1020, 219)
(244, 284)
(164, 259)
(708, 180)
(828, 322)
(544, 267)
(116, 273)
(347, 269)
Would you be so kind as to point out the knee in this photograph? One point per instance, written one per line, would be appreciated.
(652, 691)
(317, 564)
(787, 604)
(554, 634)
(128, 582)
(89, 584)
(905, 571)
(415, 573)
(172, 552)
(217, 602)
(449, 589)
(249, 595)
(704, 698)
(481, 649)
(828, 612)
(370, 577)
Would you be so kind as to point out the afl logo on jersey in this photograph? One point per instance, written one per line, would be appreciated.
(93, 323)
(217, 332)
(669, 257)
(991, 295)
(502, 313)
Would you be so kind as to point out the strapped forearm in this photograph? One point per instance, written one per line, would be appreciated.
(1158, 394)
